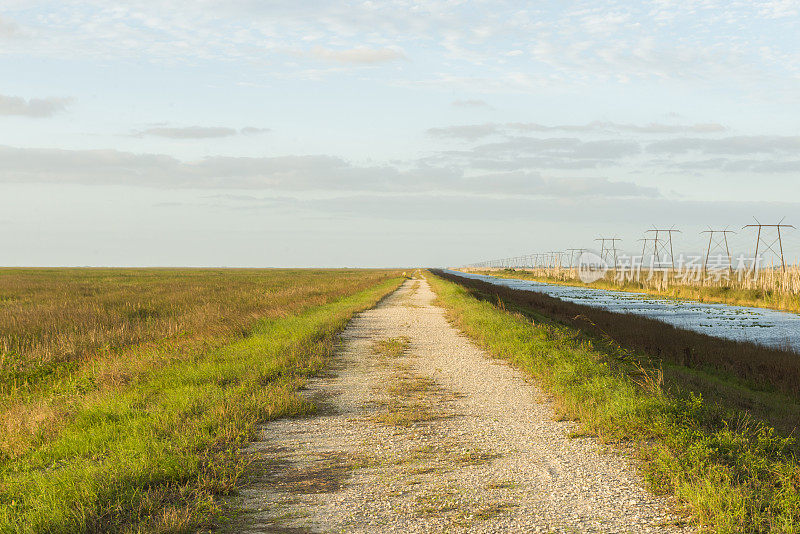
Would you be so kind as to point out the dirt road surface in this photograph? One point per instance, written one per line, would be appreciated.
(419, 430)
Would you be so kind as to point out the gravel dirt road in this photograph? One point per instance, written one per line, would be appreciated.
(419, 430)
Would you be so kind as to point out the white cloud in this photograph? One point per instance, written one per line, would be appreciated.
(252, 130)
(752, 144)
(776, 9)
(188, 132)
(471, 104)
(198, 132)
(566, 147)
(569, 43)
(364, 56)
(9, 29)
(529, 153)
(284, 173)
(476, 131)
(607, 145)
(728, 165)
(34, 107)
(470, 132)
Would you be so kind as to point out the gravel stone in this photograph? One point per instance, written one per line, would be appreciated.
(440, 439)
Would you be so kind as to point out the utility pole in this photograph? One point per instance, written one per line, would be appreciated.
(718, 244)
(611, 249)
(663, 243)
(769, 245)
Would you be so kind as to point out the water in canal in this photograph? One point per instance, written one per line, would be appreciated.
(740, 323)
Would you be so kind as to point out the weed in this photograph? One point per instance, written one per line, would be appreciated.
(476, 457)
(490, 511)
(411, 399)
(628, 337)
(392, 347)
(437, 502)
(406, 415)
(154, 447)
(736, 474)
(502, 484)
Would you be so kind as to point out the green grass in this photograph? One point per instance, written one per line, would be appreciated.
(740, 373)
(156, 451)
(70, 334)
(392, 347)
(730, 473)
(52, 319)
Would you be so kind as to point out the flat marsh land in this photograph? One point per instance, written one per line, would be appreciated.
(126, 394)
(773, 289)
(716, 432)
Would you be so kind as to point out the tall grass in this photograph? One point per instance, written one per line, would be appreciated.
(731, 473)
(48, 317)
(763, 380)
(772, 288)
(69, 333)
(153, 451)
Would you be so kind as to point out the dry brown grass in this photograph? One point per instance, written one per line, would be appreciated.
(477, 456)
(69, 334)
(21, 421)
(57, 315)
(392, 347)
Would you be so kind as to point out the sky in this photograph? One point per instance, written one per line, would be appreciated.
(435, 133)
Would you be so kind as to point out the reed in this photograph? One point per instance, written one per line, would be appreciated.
(771, 288)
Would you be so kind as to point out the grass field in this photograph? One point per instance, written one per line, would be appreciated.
(126, 394)
(772, 290)
(691, 427)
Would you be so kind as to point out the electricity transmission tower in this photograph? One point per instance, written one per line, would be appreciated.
(663, 244)
(718, 243)
(608, 250)
(572, 253)
(554, 259)
(645, 241)
(768, 245)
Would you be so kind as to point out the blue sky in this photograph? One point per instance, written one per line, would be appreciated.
(261, 133)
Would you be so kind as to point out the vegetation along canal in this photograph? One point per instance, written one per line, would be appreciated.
(762, 326)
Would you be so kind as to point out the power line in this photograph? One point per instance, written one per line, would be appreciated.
(769, 245)
(572, 252)
(554, 259)
(661, 244)
(605, 251)
(718, 244)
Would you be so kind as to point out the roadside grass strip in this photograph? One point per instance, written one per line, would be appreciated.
(158, 454)
(730, 473)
